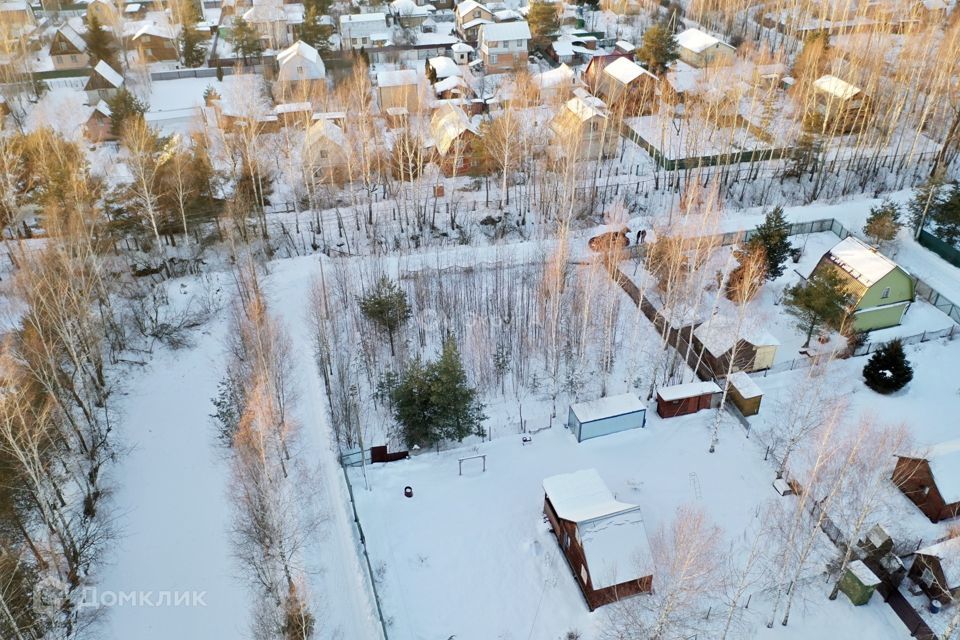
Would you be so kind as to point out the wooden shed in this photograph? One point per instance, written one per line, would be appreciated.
(682, 399)
(858, 583)
(931, 480)
(720, 340)
(606, 415)
(744, 393)
(604, 540)
(936, 569)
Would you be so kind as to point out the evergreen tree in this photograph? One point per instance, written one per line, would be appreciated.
(883, 224)
(123, 106)
(312, 32)
(434, 401)
(822, 300)
(100, 45)
(888, 369)
(544, 21)
(773, 236)
(192, 49)
(659, 48)
(386, 305)
(245, 39)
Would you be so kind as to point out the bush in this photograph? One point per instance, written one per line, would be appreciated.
(888, 369)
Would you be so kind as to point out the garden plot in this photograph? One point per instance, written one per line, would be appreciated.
(679, 139)
(471, 557)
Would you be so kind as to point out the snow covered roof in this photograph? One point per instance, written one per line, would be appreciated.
(718, 333)
(745, 385)
(608, 407)
(866, 577)
(555, 77)
(467, 6)
(103, 108)
(445, 67)
(944, 461)
(461, 47)
(108, 73)
(74, 38)
(696, 40)
(448, 84)
(447, 124)
(612, 533)
(625, 70)
(399, 78)
(132, 8)
(864, 264)
(324, 130)
(363, 17)
(948, 552)
(505, 15)
(624, 46)
(292, 107)
(585, 106)
(836, 87)
(408, 8)
(155, 30)
(300, 61)
(563, 48)
(688, 390)
(501, 31)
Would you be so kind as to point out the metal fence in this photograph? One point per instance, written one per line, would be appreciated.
(943, 249)
(159, 76)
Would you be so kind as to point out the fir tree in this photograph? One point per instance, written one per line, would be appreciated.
(883, 224)
(659, 48)
(544, 20)
(192, 49)
(773, 236)
(100, 45)
(386, 305)
(888, 369)
(822, 300)
(123, 106)
(246, 41)
(312, 32)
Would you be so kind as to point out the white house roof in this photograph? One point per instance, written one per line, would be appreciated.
(73, 37)
(300, 61)
(555, 77)
(718, 334)
(608, 407)
(447, 124)
(398, 78)
(501, 31)
(155, 30)
(461, 47)
(505, 15)
(103, 108)
(688, 390)
(585, 106)
(408, 8)
(866, 265)
(696, 40)
(944, 461)
(836, 87)
(362, 17)
(612, 533)
(464, 8)
(445, 67)
(745, 385)
(625, 70)
(625, 46)
(324, 130)
(948, 552)
(448, 84)
(109, 74)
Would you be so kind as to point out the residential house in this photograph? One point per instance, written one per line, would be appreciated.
(936, 569)
(106, 12)
(275, 21)
(556, 84)
(398, 90)
(582, 128)
(17, 22)
(461, 52)
(931, 480)
(453, 88)
(604, 416)
(882, 290)
(325, 151)
(719, 340)
(840, 106)
(408, 14)
(98, 127)
(628, 85)
(592, 74)
(457, 144)
(700, 49)
(603, 539)
(155, 42)
(683, 399)
(469, 16)
(357, 30)
(300, 70)
(103, 83)
(442, 67)
(503, 45)
(68, 49)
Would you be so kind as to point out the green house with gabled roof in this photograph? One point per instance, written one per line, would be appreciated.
(882, 289)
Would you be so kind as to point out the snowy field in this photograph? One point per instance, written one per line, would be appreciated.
(471, 557)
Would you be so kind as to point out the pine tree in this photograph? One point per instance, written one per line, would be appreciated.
(123, 106)
(192, 49)
(386, 305)
(888, 369)
(246, 41)
(822, 300)
(773, 236)
(544, 20)
(659, 48)
(883, 224)
(100, 44)
(312, 32)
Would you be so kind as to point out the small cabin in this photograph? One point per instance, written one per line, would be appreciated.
(931, 480)
(719, 341)
(684, 399)
(840, 106)
(858, 583)
(398, 89)
(744, 393)
(936, 570)
(604, 540)
(700, 49)
(606, 415)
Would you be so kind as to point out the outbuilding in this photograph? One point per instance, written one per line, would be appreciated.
(683, 399)
(604, 540)
(744, 393)
(700, 49)
(936, 569)
(606, 415)
(749, 347)
(931, 480)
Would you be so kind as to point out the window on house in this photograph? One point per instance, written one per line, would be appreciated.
(300, 70)
(73, 58)
(519, 43)
(927, 577)
(476, 14)
(584, 575)
(323, 154)
(566, 541)
(885, 294)
(493, 59)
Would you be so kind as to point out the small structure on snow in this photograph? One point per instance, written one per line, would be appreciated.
(931, 480)
(683, 399)
(700, 49)
(858, 583)
(604, 540)
(936, 569)
(752, 350)
(744, 393)
(103, 83)
(606, 415)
